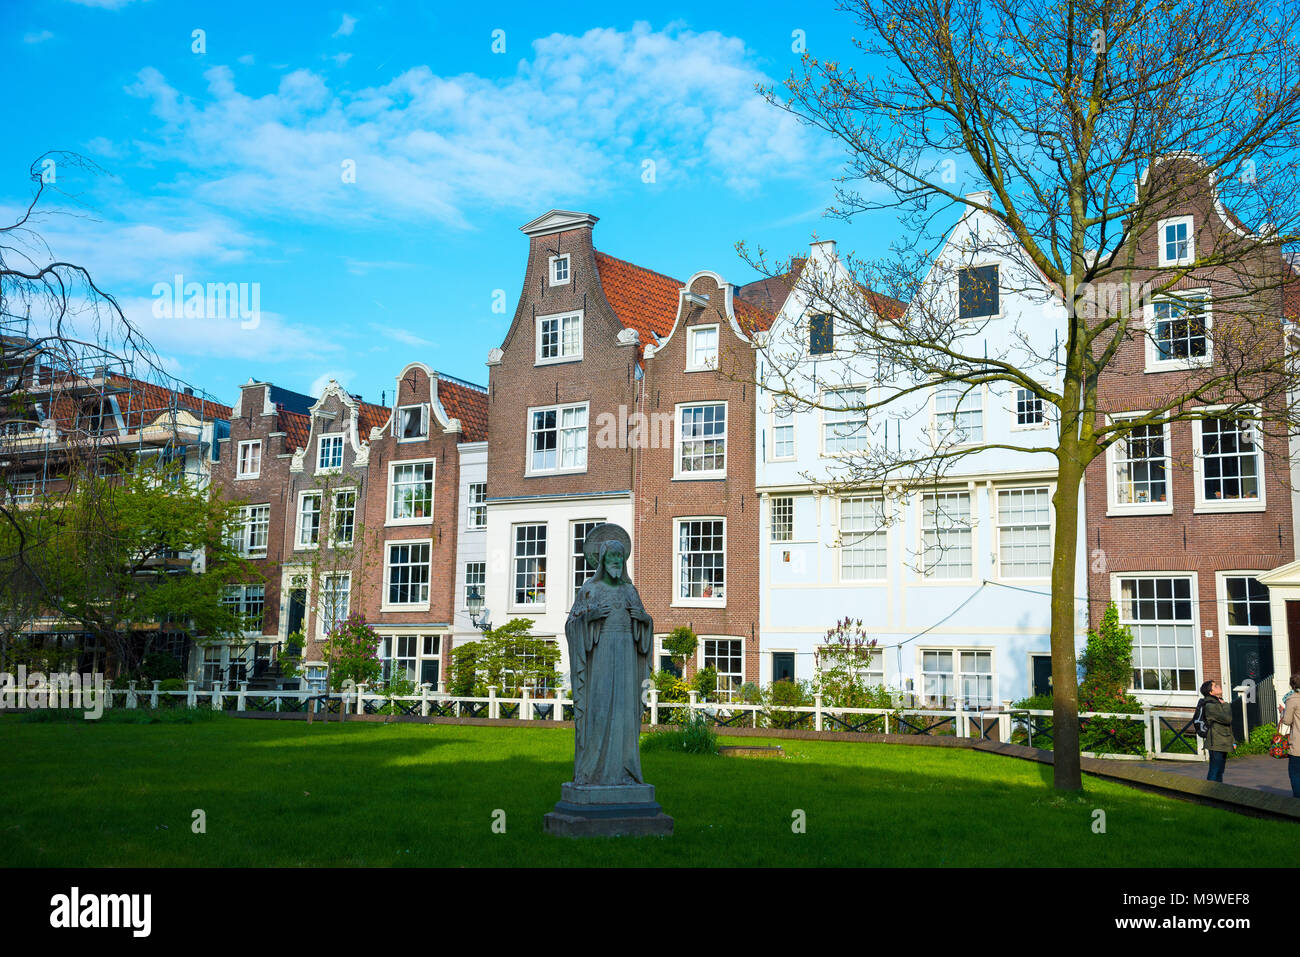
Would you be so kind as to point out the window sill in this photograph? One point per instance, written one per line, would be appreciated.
(422, 606)
(558, 360)
(408, 522)
(699, 476)
(246, 478)
(552, 472)
(1177, 365)
(705, 368)
(414, 438)
(699, 603)
(1161, 508)
(1246, 505)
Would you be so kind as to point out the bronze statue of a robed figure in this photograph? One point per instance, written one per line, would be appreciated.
(611, 643)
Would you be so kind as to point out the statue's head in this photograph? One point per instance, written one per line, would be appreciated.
(613, 561)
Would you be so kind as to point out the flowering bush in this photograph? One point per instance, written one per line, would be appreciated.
(352, 650)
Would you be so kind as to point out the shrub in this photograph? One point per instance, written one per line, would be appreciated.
(680, 645)
(1258, 742)
(173, 684)
(706, 682)
(694, 735)
(670, 687)
(842, 662)
(158, 666)
(352, 649)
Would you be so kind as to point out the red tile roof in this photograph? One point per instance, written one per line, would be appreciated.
(296, 426)
(642, 299)
(468, 403)
(770, 293)
(371, 416)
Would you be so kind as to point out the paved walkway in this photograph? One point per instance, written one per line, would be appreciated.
(1257, 771)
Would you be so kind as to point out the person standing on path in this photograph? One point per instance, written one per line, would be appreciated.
(1218, 715)
(1290, 717)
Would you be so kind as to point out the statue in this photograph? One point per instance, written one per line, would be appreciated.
(610, 638)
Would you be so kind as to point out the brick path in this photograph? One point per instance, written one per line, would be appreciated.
(1257, 771)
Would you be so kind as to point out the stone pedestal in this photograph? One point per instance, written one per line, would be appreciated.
(607, 811)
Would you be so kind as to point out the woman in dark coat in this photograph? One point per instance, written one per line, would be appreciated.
(1218, 715)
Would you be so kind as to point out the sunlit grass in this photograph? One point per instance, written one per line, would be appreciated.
(283, 793)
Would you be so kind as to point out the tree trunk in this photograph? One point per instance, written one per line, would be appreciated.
(1065, 688)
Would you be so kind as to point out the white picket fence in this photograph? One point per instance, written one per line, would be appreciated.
(994, 724)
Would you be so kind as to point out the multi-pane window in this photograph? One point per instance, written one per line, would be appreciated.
(309, 519)
(213, 669)
(1177, 242)
(701, 559)
(1025, 533)
(1159, 614)
(247, 601)
(702, 439)
(578, 539)
(559, 337)
(782, 434)
(558, 438)
(726, 656)
(977, 292)
(336, 597)
(976, 678)
(477, 516)
(968, 672)
(1029, 408)
(413, 421)
(22, 490)
(960, 412)
(250, 459)
(946, 537)
(782, 518)
(412, 491)
(430, 664)
(702, 348)
(253, 530)
(821, 334)
(316, 676)
(1230, 460)
(844, 421)
(398, 654)
(330, 453)
(1141, 467)
(1248, 607)
(863, 538)
(530, 564)
(559, 270)
(475, 579)
(408, 573)
(344, 524)
(1178, 330)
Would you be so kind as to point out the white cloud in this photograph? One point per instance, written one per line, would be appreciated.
(346, 27)
(104, 4)
(341, 376)
(247, 59)
(37, 36)
(404, 336)
(577, 118)
(341, 59)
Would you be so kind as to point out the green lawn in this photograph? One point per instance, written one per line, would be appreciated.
(282, 793)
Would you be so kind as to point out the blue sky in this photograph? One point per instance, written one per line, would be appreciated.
(228, 165)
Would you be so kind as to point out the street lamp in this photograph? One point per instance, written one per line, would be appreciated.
(479, 615)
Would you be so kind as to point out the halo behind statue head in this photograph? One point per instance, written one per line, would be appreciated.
(598, 536)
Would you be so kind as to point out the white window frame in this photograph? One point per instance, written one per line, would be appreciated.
(679, 435)
(771, 519)
(1113, 504)
(1157, 695)
(574, 558)
(701, 602)
(240, 604)
(1154, 364)
(957, 674)
(475, 506)
(944, 425)
(562, 356)
(864, 434)
(515, 558)
(1016, 425)
(335, 542)
(389, 520)
(321, 615)
(773, 425)
(319, 495)
(424, 422)
(999, 525)
(480, 579)
(560, 430)
(1221, 592)
(926, 578)
(730, 693)
(419, 604)
(1203, 504)
(320, 453)
(239, 460)
(708, 365)
(245, 528)
(839, 528)
(1162, 241)
(552, 272)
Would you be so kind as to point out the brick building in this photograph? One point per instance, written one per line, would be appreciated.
(1185, 518)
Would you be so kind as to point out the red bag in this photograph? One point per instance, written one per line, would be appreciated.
(1281, 746)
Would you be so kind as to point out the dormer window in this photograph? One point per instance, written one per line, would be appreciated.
(701, 348)
(977, 292)
(330, 455)
(1177, 246)
(559, 338)
(560, 270)
(412, 422)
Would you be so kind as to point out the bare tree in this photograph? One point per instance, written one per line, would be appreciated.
(1077, 128)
